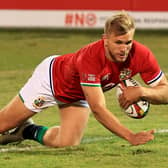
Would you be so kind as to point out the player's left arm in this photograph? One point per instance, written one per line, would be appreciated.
(157, 94)
(152, 75)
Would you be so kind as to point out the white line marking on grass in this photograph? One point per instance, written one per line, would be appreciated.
(19, 149)
(161, 131)
(95, 139)
(84, 141)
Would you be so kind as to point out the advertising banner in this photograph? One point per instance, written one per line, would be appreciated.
(81, 14)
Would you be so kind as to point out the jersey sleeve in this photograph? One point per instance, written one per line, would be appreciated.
(89, 65)
(151, 72)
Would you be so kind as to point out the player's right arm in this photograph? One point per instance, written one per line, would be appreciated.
(157, 94)
(96, 100)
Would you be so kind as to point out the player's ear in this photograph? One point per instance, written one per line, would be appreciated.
(104, 36)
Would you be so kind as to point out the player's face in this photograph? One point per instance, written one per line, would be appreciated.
(117, 47)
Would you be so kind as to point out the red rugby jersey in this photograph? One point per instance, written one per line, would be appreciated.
(90, 67)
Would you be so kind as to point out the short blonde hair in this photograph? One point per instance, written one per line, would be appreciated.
(119, 24)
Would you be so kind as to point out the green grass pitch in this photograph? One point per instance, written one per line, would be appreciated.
(21, 50)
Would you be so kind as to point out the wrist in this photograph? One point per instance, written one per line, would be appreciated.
(129, 136)
(143, 93)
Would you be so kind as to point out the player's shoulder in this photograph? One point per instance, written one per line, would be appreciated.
(99, 44)
(139, 47)
(92, 49)
(140, 51)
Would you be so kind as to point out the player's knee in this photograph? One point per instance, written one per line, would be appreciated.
(66, 143)
(60, 145)
(54, 138)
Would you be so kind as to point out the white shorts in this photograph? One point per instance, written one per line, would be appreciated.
(37, 94)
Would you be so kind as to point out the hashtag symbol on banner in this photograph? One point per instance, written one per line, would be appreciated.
(68, 19)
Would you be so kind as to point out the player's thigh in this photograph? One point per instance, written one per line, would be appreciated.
(13, 114)
(73, 122)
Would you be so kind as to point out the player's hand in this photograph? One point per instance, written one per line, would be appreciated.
(130, 95)
(141, 137)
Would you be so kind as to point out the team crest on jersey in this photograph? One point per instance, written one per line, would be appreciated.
(39, 102)
(125, 74)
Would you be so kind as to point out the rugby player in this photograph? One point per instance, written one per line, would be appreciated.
(76, 82)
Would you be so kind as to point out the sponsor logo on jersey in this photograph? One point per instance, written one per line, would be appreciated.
(39, 102)
(91, 77)
(125, 74)
(106, 77)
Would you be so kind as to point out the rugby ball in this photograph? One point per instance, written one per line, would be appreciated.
(137, 110)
